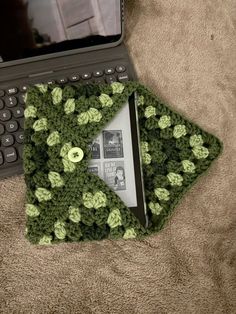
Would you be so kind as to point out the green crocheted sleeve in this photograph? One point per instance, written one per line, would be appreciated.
(64, 201)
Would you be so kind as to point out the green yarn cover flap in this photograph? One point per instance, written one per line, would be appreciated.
(65, 202)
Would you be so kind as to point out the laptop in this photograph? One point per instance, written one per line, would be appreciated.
(66, 42)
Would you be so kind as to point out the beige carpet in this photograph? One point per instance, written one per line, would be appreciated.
(186, 52)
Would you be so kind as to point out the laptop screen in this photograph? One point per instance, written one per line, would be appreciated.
(30, 28)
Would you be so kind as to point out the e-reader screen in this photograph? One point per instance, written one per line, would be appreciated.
(116, 159)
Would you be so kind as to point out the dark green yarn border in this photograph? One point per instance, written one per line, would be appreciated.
(93, 224)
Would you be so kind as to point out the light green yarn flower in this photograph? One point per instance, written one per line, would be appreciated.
(196, 140)
(144, 147)
(162, 194)
(156, 208)
(40, 125)
(69, 106)
(179, 131)
(60, 230)
(30, 112)
(55, 179)
(25, 97)
(43, 194)
(83, 118)
(74, 214)
(45, 240)
(150, 111)
(114, 219)
(188, 166)
(32, 210)
(42, 87)
(200, 152)
(164, 122)
(146, 159)
(88, 200)
(56, 95)
(69, 166)
(99, 199)
(117, 88)
(94, 115)
(175, 179)
(53, 138)
(65, 150)
(105, 100)
(129, 234)
(140, 100)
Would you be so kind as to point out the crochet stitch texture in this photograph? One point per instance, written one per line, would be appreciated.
(64, 201)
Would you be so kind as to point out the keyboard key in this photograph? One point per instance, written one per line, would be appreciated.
(18, 112)
(5, 115)
(110, 71)
(98, 73)
(2, 93)
(10, 154)
(11, 101)
(74, 78)
(120, 68)
(20, 151)
(12, 126)
(111, 79)
(7, 140)
(123, 77)
(19, 137)
(1, 104)
(21, 121)
(99, 80)
(62, 80)
(86, 76)
(23, 88)
(12, 91)
(21, 99)
(2, 129)
(1, 158)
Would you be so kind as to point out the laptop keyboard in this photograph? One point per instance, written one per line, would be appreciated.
(12, 109)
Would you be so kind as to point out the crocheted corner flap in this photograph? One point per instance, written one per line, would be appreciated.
(64, 201)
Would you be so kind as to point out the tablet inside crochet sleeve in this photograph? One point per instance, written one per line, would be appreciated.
(68, 142)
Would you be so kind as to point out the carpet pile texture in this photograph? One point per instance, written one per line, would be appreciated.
(185, 52)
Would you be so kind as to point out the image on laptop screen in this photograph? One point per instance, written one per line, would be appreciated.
(37, 27)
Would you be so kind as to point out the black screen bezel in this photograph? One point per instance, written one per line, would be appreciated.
(140, 209)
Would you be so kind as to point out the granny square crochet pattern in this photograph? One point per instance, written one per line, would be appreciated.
(64, 201)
